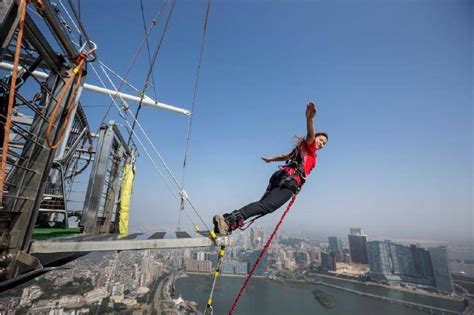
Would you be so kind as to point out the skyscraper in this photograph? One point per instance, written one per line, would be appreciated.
(335, 245)
(403, 262)
(439, 261)
(262, 266)
(423, 265)
(378, 253)
(257, 237)
(357, 246)
(328, 260)
(356, 231)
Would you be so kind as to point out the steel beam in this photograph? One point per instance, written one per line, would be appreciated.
(93, 88)
(8, 22)
(41, 247)
(58, 31)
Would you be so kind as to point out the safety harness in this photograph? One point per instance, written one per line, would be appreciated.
(296, 162)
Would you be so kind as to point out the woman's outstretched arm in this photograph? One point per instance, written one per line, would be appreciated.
(310, 114)
(281, 157)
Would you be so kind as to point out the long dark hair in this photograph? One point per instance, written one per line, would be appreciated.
(298, 141)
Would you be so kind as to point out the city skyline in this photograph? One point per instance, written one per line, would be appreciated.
(129, 280)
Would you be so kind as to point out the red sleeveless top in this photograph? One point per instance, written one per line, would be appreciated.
(309, 158)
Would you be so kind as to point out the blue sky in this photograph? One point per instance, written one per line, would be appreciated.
(393, 85)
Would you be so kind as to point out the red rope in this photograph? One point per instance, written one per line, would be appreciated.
(249, 276)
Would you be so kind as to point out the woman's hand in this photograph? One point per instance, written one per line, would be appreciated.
(310, 110)
(266, 160)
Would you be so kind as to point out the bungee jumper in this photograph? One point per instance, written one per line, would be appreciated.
(284, 183)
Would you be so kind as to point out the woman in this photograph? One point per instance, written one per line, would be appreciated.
(284, 183)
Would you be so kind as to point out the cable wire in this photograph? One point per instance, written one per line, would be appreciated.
(196, 83)
(155, 56)
(147, 46)
(134, 117)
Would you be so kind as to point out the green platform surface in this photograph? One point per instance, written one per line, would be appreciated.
(49, 233)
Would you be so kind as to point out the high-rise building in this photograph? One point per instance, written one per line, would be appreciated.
(439, 261)
(302, 258)
(262, 266)
(315, 254)
(212, 257)
(346, 255)
(402, 260)
(234, 267)
(422, 259)
(256, 237)
(328, 260)
(194, 265)
(378, 253)
(335, 245)
(357, 246)
(356, 231)
(199, 255)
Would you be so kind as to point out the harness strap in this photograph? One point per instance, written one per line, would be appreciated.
(249, 223)
(296, 162)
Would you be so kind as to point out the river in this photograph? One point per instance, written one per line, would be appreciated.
(265, 296)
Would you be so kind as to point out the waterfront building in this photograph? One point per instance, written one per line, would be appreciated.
(212, 257)
(237, 252)
(422, 260)
(335, 245)
(411, 264)
(357, 246)
(289, 264)
(402, 260)
(195, 265)
(439, 261)
(328, 260)
(199, 255)
(290, 253)
(346, 254)
(302, 258)
(234, 267)
(263, 265)
(378, 254)
(315, 254)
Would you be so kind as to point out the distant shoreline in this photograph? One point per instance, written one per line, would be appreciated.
(368, 283)
(225, 275)
(418, 291)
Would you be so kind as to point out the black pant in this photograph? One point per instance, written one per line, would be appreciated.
(280, 189)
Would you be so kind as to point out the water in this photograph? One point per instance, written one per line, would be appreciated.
(397, 294)
(264, 296)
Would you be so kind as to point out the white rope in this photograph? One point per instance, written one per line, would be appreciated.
(70, 18)
(156, 152)
(120, 78)
(138, 139)
(127, 110)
